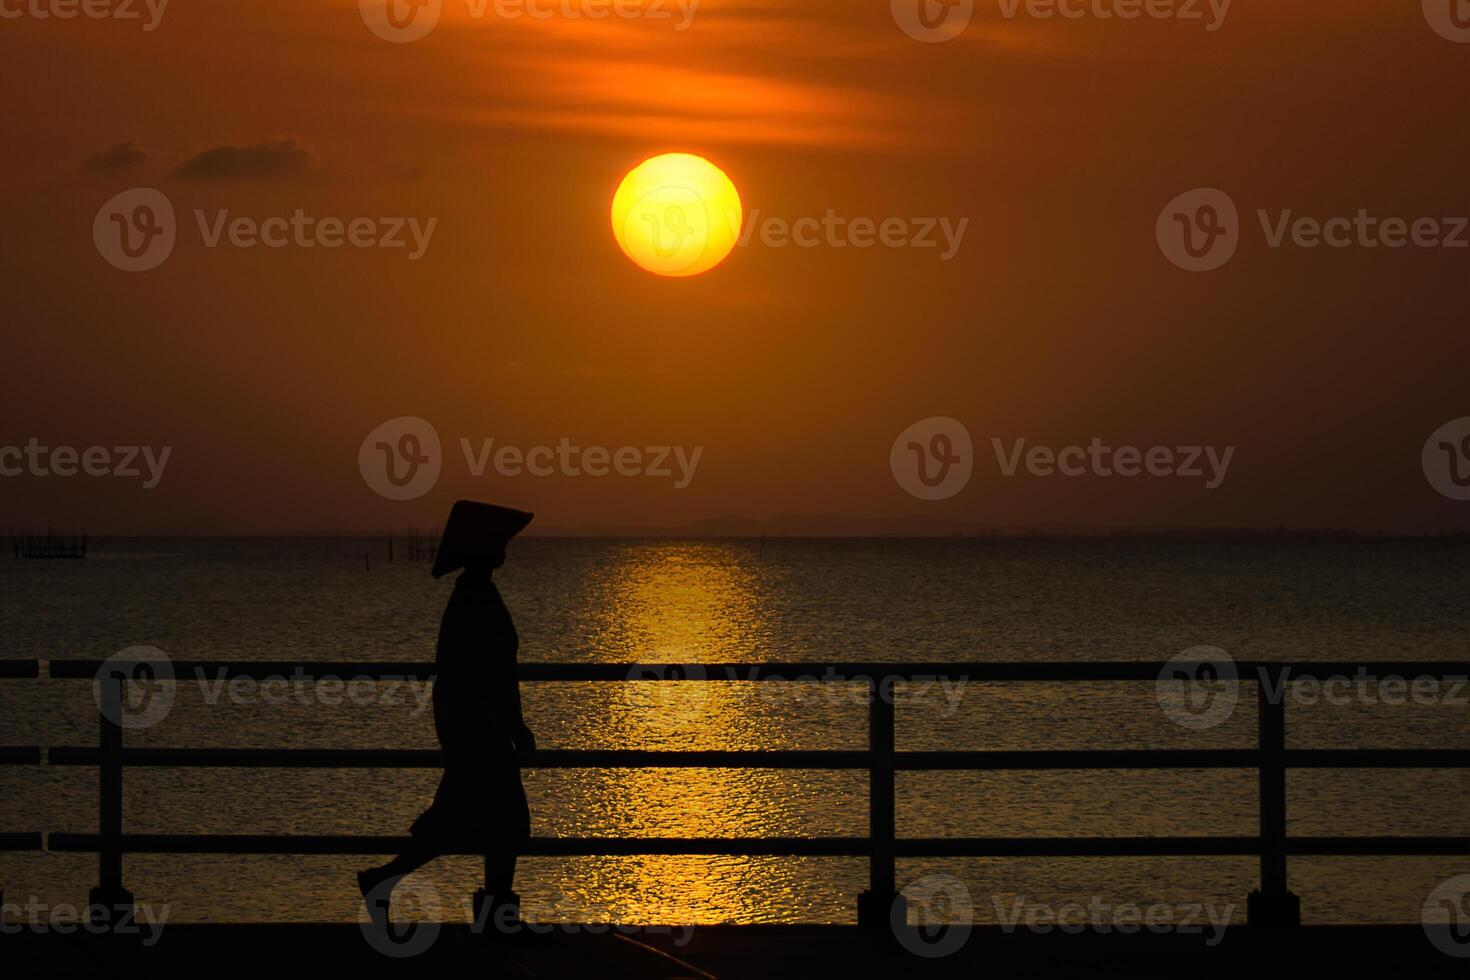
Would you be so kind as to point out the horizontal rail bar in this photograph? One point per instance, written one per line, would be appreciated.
(541, 846)
(213, 670)
(19, 756)
(20, 668)
(849, 671)
(20, 842)
(1183, 759)
(786, 846)
(800, 759)
(433, 759)
(1174, 846)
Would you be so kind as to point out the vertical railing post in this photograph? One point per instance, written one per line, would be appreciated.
(1273, 906)
(876, 906)
(110, 901)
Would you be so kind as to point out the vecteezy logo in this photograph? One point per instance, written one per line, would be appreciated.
(932, 21)
(398, 938)
(134, 688)
(1446, 459)
(1198, 688)
(135, 230)
(1446, 916)
(670, 697)
(676, 224)
(676, 220)
(1449, 18)
(401, 459)
(400, 21)
(1199, 230)
(933, 458)
(944, 913)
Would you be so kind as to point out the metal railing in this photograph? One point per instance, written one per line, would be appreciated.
(13, 755)
(19, 755)
(1272, 905)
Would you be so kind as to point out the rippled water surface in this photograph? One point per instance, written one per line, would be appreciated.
(741, 601)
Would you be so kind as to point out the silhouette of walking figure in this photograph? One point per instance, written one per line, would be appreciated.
(480, 804)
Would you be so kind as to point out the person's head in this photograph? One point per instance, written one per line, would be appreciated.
(484, 564)
(475, 537)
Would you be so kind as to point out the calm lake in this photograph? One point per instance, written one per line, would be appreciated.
(744, 601)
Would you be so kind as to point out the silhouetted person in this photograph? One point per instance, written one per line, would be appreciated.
(480, 805)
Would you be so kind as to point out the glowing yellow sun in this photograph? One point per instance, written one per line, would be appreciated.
(676, 214)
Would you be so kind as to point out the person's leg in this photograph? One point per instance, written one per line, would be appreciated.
(500, 873)
(408, 862)
(497, 907)
(372, 881)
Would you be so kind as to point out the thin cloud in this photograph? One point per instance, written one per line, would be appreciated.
(115, 159)
(628, 97)
(757, 72)
(282, 158)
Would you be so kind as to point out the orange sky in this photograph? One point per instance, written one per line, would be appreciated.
(1057, 320)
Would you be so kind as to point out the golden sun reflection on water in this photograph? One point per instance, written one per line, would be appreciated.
(678, 606)
(670, 603)
(691, 607)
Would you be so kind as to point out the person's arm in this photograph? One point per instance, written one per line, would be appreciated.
(521, 735)
(508, 685)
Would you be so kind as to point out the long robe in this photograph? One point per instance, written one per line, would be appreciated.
(480, 804)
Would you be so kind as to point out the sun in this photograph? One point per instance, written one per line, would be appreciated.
(676, 214)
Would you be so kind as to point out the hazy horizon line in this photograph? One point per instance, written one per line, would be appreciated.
(650, 533)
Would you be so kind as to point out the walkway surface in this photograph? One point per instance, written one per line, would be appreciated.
(341, 952)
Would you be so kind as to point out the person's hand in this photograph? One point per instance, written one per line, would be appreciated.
(524, 739)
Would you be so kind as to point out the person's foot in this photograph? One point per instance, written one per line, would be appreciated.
(497, 916)
(374, 896)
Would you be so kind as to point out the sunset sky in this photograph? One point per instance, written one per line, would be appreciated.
(1057, 319)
